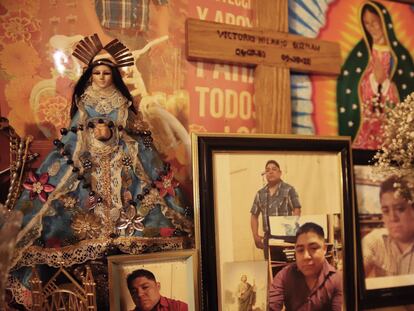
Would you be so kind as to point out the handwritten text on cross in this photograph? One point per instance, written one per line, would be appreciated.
(252, 46)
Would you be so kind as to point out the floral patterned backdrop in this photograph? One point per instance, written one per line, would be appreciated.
(37, 71)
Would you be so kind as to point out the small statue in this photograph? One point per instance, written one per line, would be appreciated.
(104, 181)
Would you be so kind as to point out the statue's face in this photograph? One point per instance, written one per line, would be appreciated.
(102, 76)
(373, 25)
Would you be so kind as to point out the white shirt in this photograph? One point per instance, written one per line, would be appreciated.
(381, 251)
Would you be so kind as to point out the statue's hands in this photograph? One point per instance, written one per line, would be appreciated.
(102, 132)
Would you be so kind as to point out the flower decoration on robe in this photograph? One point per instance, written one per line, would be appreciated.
(87, 226)
(69, 201)
(167, 184)
(149, 201)
(38, 186)
(130, 221)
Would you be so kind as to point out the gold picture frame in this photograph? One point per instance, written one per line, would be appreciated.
(176, 271)
(224, 192)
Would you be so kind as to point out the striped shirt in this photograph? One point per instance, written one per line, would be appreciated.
(125, 14)
(381, 251)
(281, 203)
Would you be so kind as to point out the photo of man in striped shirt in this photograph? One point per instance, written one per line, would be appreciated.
(389, 251)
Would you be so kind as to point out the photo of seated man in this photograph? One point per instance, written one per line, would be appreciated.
(310, 283)
(389, 251)
(145, 292)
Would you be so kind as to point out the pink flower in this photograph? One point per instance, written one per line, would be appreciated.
(167, 184)
(38, 186)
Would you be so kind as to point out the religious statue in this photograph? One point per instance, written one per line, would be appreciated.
(376, 75)
(104, 184)
(246, 294)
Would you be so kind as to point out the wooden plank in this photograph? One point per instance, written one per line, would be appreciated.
(272, 84)
(216, 42)
(266, 10)
(272, 100)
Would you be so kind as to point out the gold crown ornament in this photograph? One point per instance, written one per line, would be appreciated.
(89, 47)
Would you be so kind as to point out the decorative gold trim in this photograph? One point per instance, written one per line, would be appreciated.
(72, 295)
(96, 248)
(191, 256)
(195, 135)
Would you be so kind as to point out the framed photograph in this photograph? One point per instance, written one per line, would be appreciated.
(172, 279)
(385, 223)
(247, 281)
(229, 170)
(285, 227)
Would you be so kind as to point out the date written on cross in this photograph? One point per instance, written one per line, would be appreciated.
(215, 42)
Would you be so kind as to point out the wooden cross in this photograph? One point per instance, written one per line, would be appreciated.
(272, 50)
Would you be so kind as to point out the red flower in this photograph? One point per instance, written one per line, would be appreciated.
(167, 184)
(166, 232)
(38, 186)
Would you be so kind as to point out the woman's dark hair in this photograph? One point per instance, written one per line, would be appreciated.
(368, 8)
(83, 81)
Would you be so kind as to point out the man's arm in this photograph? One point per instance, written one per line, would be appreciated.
(337, 297)
(277, 291)
(369, 250)
(369, 269)
(294, 200)
(254, 223)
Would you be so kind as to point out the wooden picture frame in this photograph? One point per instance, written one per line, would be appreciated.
(177, 272)
(224, 167)
(374, 291)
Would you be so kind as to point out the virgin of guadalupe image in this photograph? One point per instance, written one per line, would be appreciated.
(376, 75)
(104, 185)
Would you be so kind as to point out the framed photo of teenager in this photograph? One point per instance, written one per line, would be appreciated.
(245, 187)
(167, 280)
(385, 229)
